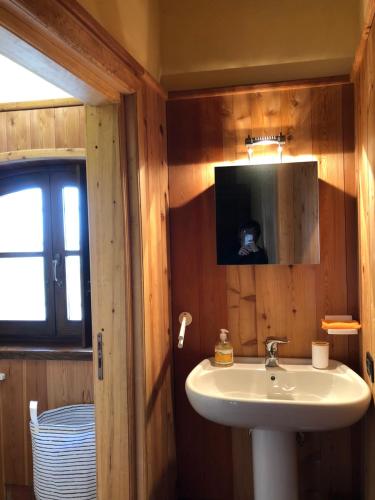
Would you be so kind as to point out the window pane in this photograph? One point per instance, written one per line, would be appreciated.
(22, 291)
(71, 217)
(73, 287)
(21, 221)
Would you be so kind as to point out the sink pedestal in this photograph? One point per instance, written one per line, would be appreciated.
(274, 465)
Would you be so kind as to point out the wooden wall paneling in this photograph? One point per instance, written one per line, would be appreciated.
(69, 382)
(13, 414)
(328, 147)
(285, 308)
(134, 137)
(149, 206)
(42, 129)
(364, 248)
(281, 300)
(241, 299)
(158, 355)
(3, 132)
(19, 493)
(35, 388)
(242, 465)
(68, 127)
(18, 130)
(197, 283)
(111, 306)
(364, 77)
(370, 153)
(28, 380)
(351, 215)
(153, 347)
(42, 124)
(294, 318)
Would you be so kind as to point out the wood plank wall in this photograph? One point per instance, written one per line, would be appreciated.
(148, 188)
(365, 157)
(52, 383)
(160, 440)
(255, 302)
(61, 127)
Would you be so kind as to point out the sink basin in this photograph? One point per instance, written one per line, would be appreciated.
(292, 397)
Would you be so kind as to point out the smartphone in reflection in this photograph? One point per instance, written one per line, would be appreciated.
(247, 239)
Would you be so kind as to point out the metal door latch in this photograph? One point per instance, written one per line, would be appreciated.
(100, 356)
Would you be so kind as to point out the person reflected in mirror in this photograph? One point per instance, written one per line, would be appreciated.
(250, 252)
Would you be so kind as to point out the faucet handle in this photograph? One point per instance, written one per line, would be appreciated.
(272, 342)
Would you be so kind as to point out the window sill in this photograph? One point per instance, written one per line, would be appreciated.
(47, 353)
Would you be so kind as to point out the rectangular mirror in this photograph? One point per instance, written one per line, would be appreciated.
(267, 214)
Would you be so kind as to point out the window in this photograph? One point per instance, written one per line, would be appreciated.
(44, 258)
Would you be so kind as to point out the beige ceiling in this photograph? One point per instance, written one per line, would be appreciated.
(221, 42)
(210, 43)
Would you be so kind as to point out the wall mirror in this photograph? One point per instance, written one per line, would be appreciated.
(267, 214)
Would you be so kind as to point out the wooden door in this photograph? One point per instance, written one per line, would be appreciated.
(111, 310)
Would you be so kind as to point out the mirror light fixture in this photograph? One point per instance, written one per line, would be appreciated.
(266, 140)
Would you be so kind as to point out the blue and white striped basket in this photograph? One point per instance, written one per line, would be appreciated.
(64, 455)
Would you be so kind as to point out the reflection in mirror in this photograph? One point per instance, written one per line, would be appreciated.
(267, 214)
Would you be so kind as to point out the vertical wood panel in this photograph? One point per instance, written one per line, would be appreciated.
(68, 382)
(157, 342)
(3, 132)
(42, 123)
(110, 291)
(42, 129)
(69, 132)
(261, 301)
(196, 142)
(18, 130)
(365, 162)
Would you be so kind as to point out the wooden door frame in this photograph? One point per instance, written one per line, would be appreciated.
(60, 41)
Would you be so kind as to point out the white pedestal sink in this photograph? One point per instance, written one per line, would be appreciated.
(275, 403)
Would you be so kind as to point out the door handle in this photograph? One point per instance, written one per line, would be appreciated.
(56, 262)
(2, 376)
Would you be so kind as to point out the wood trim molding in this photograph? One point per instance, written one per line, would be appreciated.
(85, 49)
(261, 87)
(53, 353)
(49, 103)
(361, 49)
(116, 48)
(42, 154)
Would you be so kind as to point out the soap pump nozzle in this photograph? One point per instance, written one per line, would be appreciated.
(223, 335)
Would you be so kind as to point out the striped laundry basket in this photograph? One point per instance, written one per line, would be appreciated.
(64, 457)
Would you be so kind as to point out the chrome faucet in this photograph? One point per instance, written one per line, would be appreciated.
(271, 351)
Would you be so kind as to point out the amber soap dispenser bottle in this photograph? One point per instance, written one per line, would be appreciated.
(223, 350)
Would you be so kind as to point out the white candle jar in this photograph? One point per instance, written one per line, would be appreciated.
(320, 354)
